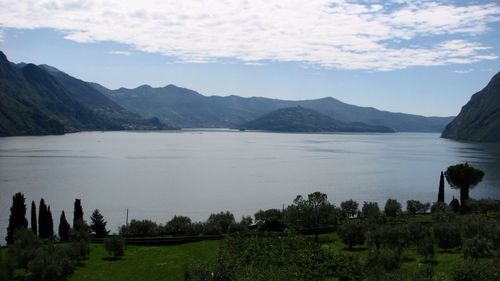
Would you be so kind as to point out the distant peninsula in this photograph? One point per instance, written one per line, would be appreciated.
(305, 120)
(479, 119)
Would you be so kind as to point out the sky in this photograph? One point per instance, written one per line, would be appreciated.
(421, 57)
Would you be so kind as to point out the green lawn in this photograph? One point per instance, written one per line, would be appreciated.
(145, 263)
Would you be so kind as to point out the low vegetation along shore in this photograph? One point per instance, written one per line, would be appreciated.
(311, 239)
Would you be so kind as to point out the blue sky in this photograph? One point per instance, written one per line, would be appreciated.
(421, 57)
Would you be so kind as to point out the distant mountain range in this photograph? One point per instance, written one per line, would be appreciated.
(301, 119)
(187, 108)
(479, 119)
(37, 100)
(40, 100)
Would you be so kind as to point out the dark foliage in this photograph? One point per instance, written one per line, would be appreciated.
(222, 221)
(43, 220)
(64, 228)
(98, 224)
(352, 233)
(140, 228)
(392, 208)
(179, 225)
(448, 235)
(416, 207)
(26, 243)
(51, 263)
(349, 208)
(463, 177)
(370, 210)
(115, 246)
(34, 226)
(78, 215)
(441, 188)
(17, 218)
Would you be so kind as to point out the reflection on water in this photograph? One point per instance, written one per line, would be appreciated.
(158, 174)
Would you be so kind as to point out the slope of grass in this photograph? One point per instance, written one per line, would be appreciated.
(145, 263)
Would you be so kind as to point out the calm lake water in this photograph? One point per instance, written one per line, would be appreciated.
(159, 174)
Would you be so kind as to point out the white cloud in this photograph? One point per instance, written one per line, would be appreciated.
(120, 53)
(372, 35)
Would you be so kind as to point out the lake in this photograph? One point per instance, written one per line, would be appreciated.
(196, 172)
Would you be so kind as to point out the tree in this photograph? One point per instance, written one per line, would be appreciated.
(447, 235)
(24, 248)
(352, 233)
(349, 208)
(370, 210)
(269, 220)
(223, 220)
(43, 228)
(416, 207)
(50, 224)
(34, 227)
(115, 246)
(78, 222)
(313, 212)
(425, 246)
(463, 177)
(392, 208)
(17, 219)
(64, 228)
(178, 225)
(441, 188)
(98, 224)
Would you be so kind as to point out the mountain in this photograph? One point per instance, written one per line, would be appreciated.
(187, 108)
(479, 119)
(86, 94)
(301, 119)
(33, 102)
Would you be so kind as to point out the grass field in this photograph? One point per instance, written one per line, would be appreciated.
(145, 262)
(170, 262)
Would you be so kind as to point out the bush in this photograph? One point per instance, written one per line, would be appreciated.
(51, 263)
(476, 226)
(392, 208)
(140, 228)
(115, 246)
(424, 273)
(24, 248)
(416, 207)
(352, 233)
(385, 258)
(79, 249)
(469, 270)
(476, 248)
(425, 246)
(346, 267)
(447, 235)
(7, 267)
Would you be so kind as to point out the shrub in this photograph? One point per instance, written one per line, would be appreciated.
(424, 273)
(24, 248)
(416, 207)
(346, 267)
(473, 226)
(51, 263)
(386, 258)
(470, 270)
(425, 246)
(476, 248)
(115, 246)
(447, 235)
(441, 213)
(352, 233)
(392, 208)
(7, 267)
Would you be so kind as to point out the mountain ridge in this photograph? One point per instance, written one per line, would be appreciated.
(173, 103)
(479, 119)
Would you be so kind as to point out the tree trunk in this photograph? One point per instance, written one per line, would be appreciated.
(464, 196)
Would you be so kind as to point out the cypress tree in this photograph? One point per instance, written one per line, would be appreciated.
(42, 220)
(50, 225)
(64, 228)
(78, 215)
(441, 188)
(17, 219)
(98, 224)
(34, 227)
